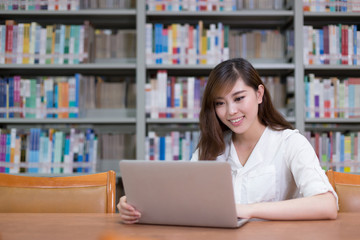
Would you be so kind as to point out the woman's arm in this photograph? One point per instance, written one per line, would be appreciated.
(322, 206)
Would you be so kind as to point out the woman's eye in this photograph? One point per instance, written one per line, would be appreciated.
(218, 104)
(238, 99)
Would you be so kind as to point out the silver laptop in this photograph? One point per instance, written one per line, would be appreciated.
(181, 193)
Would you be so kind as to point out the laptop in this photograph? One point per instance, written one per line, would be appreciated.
(181, 192)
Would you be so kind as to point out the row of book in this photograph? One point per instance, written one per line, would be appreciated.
(30, 43)
(47, 151)
(212, 5)
(332, 97)
(186, 44)
(43, 97)
(332, 44)
(64, 5)
(336, 150)
(115, 44)
(331, 5)
(180, 97)
(64, 96)
(258, 44)
(174, 145)
(173, 97)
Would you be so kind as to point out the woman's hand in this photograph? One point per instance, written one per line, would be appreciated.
(128, 213)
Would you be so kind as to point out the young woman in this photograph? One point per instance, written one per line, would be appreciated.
(276, 173)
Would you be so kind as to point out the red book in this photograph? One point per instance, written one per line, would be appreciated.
(344, 44)
(9, 40)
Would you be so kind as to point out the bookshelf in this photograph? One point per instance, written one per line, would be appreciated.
(104, 121)
(346, 128)
(290, 17)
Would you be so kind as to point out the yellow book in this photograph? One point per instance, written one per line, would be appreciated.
(26, 45)
(203, 49)
(347, 153)
(12, 148)
(53, 34)
(174, 51)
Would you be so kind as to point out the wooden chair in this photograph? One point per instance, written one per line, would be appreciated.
(93, 193)
(347, 187)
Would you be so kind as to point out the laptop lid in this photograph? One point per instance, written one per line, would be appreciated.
(181, 192)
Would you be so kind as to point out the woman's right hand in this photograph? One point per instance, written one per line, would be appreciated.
(128, 213)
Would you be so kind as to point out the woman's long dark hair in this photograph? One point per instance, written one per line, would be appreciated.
(221, 79)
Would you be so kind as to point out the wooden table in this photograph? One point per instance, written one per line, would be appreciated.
(14, 226)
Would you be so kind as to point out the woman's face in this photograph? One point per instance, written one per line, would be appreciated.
(238, 108)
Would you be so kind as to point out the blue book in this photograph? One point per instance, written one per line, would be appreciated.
(7, 153)
(11, 97)
(321, 45)
(164, 43)
(77, 93)
(158, 42)
(351, 99)
(307, 97)
(342, 151)
(55, 103)
(168, 97)
(67, 152)
(49, 91)
(162, 147)
(2, 97)
(355, 44)
(88, 147)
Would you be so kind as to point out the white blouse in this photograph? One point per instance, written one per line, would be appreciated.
(283, 165)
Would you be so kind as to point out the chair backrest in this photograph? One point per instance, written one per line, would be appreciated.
(93, 193)
(347, 187)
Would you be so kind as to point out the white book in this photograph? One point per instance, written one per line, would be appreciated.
(175, 135)
(149, 43)
(190, 97)
(81, 43)
(154, 99)
(350, 30)
(211, 35)
(162, 85)
(168, 148)
(42, 46)
(168, 58)
(20, 43)
(2, 43)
